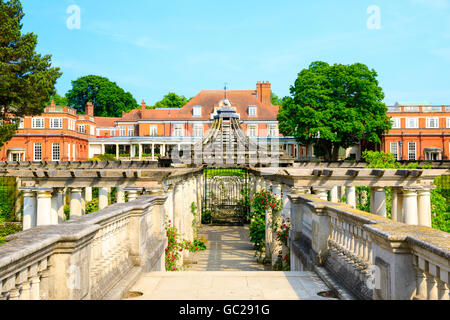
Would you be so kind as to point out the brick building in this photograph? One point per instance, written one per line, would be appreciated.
(59, 134)
(420, 131)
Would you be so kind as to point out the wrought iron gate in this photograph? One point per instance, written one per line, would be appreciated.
(225, 195)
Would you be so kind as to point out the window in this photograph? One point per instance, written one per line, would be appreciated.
(92, 130)
(252, 130)
(273, 130)
(71, 124)
(448, 122)
(412, 123)
(113, 133)
(394, 150)
(178, 130)
(81, 128)
(197, 111)
(123, 131)
(412, 151)
(131, 131)
(21, 123)
(198, 130)
(56, 123)
(252, 111)
(411, 109)
(56, 152)
(38, 123)
(153, 131)
(447, 108)
(395, 123)
(37, 152)
(433, 123)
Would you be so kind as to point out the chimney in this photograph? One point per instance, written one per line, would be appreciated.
(52, 103)
(264, 92)
(143, 106)
(89, 109)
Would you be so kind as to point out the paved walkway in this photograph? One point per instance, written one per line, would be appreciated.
(228, 271)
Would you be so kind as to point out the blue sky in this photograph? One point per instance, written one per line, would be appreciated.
(153, 47)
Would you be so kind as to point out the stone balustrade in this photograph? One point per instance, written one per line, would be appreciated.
(96, 256)
(372, 256)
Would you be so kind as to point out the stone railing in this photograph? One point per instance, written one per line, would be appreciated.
(373, 257)
(97, 256)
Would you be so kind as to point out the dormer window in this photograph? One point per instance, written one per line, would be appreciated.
(197, 111)
(252, 111)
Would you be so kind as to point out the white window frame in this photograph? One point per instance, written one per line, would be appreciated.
(153, 130)
(71, 124)
(38, 144)
(197, 111)
(252, 128)
(396, 153)
(252, 111)
(56, 123)
(131, 131)
(38, 123)
(410, 152)
(408, 125)
(178, 130)
(273, 130)
(122, 131)
(448, 122)
(435, 120)
(198, 130)
(81, 128)
(396, 123)
(56, 151)
(21, 123)
(92, 130)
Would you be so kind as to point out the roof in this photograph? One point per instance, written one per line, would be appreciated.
(106, 122)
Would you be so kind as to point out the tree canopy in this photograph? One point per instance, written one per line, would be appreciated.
(58, 100)
(108, 98)
(171, 100)
(334, 106)
(27, 79)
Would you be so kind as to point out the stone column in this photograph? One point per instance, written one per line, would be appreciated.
(83, 201)
(424, 207)
(44, 205)
(321, 193)
(286, 202)
(140, 152)
(132, 194)
(334, 195)
(380, 202)
(57, 211)
(400, 212)
(153, 151)
(410, 206)
(120, 195)
(117, 152)
(351, 196)
(88, 194)
(75, 202)
(29, 208)
(258, 184)
(394, 211)
(103, 198)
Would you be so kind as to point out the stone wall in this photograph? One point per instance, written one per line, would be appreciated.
(96, 256)
(373, 257)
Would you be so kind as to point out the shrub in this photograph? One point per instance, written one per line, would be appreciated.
(8, 229)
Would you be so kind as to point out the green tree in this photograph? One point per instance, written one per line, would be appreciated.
(59, 100)
(108, 98)
(27, 79)
(276, 101)
(334, 107)
(171, 100)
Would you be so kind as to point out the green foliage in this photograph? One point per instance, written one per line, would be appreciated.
(379, 160)
(7, 198)
(7, 229)
(276, 101)
(104, 157)
(194, 211)
(27, 79)
(195, 246)
(58, 100)
(262, 202)
(333, 107)
(206, 216)
(108, 98)
(92, 206)
(67, 212)
(171, 100)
